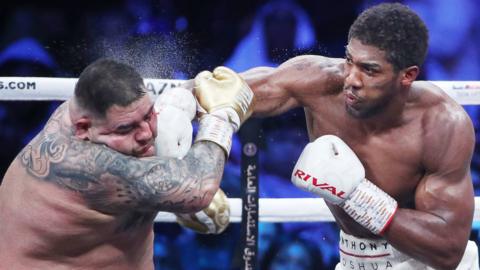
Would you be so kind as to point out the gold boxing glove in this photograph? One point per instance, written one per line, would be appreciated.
(224, 89)
(226, 98)
(212, 220)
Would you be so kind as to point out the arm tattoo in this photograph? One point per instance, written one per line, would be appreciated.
(45, 148)
(113, 182)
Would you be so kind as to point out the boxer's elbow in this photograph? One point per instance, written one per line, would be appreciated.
(454, 259)
(191, 208)
(446, 263)
(200, 198)
(199, 206)
(207, 193)
(450, 258)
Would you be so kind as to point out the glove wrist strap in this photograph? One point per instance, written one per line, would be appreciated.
(228, 115)
(370, 206)
(217, 130)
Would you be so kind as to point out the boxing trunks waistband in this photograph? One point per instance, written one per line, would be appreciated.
(377, 254)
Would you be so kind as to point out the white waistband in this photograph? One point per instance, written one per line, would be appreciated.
(360, 253)
(375, 254)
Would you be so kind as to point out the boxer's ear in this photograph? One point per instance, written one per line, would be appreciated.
(82, 125)
(409, 75)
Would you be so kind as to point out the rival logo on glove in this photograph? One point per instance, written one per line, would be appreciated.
(325, 186)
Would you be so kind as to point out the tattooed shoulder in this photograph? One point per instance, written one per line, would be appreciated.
(49, 146)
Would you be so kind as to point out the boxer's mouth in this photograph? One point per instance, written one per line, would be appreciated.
(147, 150)
(351, 99)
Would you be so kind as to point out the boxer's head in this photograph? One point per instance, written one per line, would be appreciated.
(387, 44)
(111, 107)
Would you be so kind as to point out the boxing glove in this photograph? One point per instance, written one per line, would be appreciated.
(179, 97)
(226, 99)
(329, 168)
(175, 110)
(212, 220)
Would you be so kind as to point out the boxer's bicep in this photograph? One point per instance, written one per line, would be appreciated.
(447, 196)
(445, 202)
(444, 197)
(447, 190)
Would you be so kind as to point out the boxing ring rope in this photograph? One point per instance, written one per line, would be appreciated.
(287, 210)
(45, 88)
(270, 209)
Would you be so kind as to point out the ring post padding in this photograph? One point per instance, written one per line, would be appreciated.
(249, 136)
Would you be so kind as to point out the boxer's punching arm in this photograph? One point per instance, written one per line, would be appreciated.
(272, 96)
(436, 232)
(293, 83)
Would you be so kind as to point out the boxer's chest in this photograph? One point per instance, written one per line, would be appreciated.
(392, 159)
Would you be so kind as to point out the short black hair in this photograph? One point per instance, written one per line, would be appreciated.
(105, 83)
(395, 29)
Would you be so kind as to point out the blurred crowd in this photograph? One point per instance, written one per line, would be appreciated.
(176, 40)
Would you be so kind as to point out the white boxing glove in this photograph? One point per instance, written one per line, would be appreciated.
(179, 97)
(174, 133)
(176, 107)
(330, 169)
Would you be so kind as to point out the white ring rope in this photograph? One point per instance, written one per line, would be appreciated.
(287, 210)
(270, 210)
(43, 88)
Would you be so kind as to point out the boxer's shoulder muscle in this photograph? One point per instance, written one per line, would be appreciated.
(48, 146)
(440, 111)
(445, 123)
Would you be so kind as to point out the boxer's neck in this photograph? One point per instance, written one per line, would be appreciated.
(391, 117)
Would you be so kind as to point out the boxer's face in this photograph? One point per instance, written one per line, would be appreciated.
(130, 130)
(370, 80)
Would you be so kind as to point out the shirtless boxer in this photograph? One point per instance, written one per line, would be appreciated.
(413, 142)
(84, 192)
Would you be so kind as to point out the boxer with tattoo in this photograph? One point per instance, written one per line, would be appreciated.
(83, 194)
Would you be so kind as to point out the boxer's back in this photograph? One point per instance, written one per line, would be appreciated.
(47, 226)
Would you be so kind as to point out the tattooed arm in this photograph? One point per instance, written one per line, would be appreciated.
(112, 182)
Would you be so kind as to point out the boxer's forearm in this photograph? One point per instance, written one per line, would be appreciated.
(175, 185)
(428, 238)
(193, 180)
(257, 75)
